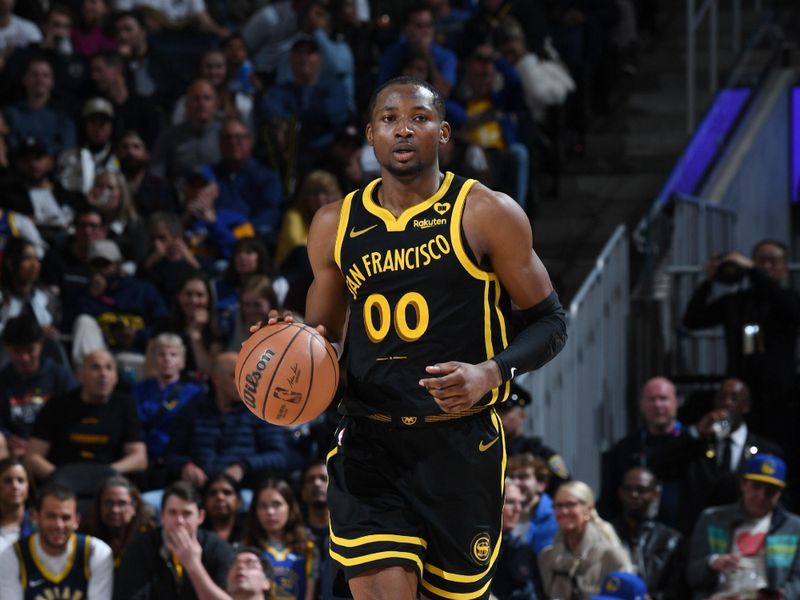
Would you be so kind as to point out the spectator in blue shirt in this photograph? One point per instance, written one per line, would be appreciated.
(160, 398)
(245, 184)
(33, 116)
(418, 38)
(537, 524)
(218, 434)
(317, 105)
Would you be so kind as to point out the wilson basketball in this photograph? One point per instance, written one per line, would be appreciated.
(287, 373)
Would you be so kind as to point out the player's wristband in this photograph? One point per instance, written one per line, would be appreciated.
(543, 335)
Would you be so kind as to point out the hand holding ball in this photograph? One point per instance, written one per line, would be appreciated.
(287, 373)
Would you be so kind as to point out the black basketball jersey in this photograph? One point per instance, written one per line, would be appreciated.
(417, 297)
(38, 583)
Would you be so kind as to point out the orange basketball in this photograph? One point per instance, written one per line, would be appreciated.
(287, 373)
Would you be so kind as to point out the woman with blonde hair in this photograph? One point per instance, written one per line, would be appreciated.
(585, 548)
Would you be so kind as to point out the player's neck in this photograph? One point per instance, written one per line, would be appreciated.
(397, 194)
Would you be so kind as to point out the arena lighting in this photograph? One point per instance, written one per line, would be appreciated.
(794, 144)
(705, 144)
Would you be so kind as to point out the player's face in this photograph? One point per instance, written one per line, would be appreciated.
(221, 500)
(246, 575)
(315, 485)
(57, 520)
(272, 512)
(169, 361)
(572, 515)
(13, 487)
(181, 514)
(405, 130)
(116, 507)
(758, 498)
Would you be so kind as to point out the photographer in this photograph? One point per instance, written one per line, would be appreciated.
(761, 322)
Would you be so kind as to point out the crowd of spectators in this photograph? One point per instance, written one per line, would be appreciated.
(160, 164)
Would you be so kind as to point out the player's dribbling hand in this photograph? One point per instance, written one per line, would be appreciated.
(458, 386)
(287, 317)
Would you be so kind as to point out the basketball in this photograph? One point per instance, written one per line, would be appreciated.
(287, 373)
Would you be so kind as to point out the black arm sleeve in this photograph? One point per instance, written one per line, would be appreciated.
(542, 337)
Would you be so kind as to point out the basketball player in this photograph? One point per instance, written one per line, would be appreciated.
(55, 562)
(423, 268)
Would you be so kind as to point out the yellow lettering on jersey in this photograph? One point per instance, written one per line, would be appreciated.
(395, 259)
(375, 259)
(354, 279)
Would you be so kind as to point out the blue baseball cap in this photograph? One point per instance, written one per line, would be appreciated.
(621, 585)
(766, 468)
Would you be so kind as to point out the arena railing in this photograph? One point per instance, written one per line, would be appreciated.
(579, 397)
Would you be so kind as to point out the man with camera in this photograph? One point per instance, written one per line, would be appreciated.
(761, 321)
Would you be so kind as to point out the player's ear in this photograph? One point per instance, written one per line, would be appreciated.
(369, 133)
(444, 132)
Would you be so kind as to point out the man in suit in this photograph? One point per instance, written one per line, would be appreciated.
(713, 453)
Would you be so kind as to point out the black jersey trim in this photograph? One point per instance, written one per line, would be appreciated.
(344, 218)
(399, 223)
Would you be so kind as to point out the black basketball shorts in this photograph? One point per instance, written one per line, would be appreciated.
(429, 498)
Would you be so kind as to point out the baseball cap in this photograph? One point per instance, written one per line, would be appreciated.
(98, 106)
(621, 585)
(766, 468)
(200, 175)
(105, 249)
(518, 396)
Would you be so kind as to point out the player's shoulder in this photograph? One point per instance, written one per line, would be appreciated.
(328, 215)
(486, 202)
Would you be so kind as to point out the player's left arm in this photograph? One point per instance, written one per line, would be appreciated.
(497, 229)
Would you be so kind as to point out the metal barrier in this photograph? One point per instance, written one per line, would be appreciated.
(679, 238)
(701, 230)
(694, 20)
(580, 396)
